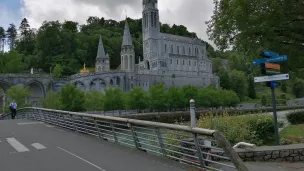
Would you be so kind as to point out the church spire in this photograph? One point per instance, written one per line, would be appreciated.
(127, 39)
(101, 52)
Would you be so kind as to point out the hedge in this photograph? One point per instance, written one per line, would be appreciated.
(296, 117)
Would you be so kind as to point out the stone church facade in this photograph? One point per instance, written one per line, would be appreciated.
(169, 59)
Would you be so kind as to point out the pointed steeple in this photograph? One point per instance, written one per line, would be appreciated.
(101, 52)
(127, 39)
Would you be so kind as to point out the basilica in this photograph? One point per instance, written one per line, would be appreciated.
(168, 59)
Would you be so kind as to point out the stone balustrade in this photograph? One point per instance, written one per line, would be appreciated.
(288, 153)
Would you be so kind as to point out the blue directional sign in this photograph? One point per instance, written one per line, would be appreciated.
(270, 54)
(271, 60)
(274, 84)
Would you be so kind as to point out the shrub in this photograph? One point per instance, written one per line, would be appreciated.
(296, 117)
(257, 129)
(298, 88)
(264, 100)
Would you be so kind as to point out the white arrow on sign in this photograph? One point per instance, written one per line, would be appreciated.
(271, 78)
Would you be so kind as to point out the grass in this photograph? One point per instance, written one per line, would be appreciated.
(293, 134)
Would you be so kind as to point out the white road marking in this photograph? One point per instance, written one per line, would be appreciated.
(38, 146)
(29, 123)
(50, 126)
(81, 159)
(17, 145)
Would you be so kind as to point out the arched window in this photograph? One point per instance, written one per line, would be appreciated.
(165, 48)
(131, 61)
(171, 48)
(126, 62)
(152, 19)
(190, 51)
(177, 49)
(184, 52)
(171, 61)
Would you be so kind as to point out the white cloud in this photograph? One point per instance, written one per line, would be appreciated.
(191, 13)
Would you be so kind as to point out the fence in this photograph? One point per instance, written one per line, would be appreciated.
(180, 143)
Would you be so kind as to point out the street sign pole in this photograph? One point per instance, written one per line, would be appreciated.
(275, 118)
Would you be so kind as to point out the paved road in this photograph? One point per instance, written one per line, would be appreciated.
(33, 146)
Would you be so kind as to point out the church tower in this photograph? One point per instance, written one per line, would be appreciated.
(151, 32)
(102, 60)
(127, 51)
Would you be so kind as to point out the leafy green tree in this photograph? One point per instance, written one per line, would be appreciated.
(57, 71)
(51, 101)
(94, 101)
(157, 97)
(11, 33)
(190, 92)
(264, 100)
(137, 99)
(24, 28)
(175, 98)
(72, 98)
(251, 87)
(298, 88)
(224, 79)
(19, 94)
(216, 65)
(114, 99)
(284, 86)
(12, 63)
(238, 83)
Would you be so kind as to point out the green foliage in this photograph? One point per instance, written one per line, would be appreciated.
(216, 65)
(157, 97)
(11, 33)
(94, 101)
(215, 98)
(284, 86)
(238, 83)
(257, 129)
(264, 101)
(19, 94)
(296, 117)
(114, 99)
(72, 98)
(11, 62)
(293, 134)
(190, 92)
(298, 88)
(57, 71)
(224, 79)
(175, 98)
(251, 88)
(251, 26)
(137, 99)
(51, 101)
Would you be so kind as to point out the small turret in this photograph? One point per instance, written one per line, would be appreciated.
(127, 51)
(102, 60)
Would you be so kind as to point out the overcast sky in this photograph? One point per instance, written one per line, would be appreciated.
(191, 13)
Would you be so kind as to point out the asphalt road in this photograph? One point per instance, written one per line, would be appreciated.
(34, 146)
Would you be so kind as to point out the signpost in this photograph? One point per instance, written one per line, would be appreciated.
(269, 67)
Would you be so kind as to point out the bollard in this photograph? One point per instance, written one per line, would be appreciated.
(192, 113)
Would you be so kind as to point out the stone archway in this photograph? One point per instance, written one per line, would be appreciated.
(4, 86)
(80, 85)
(98, 84)
(36, 93)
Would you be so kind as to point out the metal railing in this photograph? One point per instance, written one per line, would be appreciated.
(181, 143)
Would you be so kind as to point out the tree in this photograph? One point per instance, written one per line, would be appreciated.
(251, 87)
(175, 98)
(51, 101)
(264, 100)
(57, 71)
(72, 98)
(224, 79)
(157, 97)
(238, 83)
(284, 86)
(94, 101)
(251, 26)
(24, 28)
(114, 99)
(12, 63)
(137, 99)
(298, 88)
(216, 65)
(19, 94)
(11, 33)
(2, 35)
(190, 92)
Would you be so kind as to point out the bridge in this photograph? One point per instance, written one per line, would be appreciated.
(44, 139)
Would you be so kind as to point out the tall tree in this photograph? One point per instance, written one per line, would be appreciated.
(2, 35)
(251, 26)
(24, 28)
(251, 87)
(11, 33)
(238, 83)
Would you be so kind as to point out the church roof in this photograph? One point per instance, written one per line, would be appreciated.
(183, 39)
(101, 52)
(127, 39)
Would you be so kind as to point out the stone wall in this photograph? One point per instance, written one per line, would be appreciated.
(289, 153)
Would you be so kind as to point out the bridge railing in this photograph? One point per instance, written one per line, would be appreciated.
(180, 143)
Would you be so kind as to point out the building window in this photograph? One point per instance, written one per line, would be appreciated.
(165, 48)
(183, 62)
(177, 62)
(154, 15)
(190, 51)
(177, 49)
(189, 62)
(171, 61)
(152, 19)
(184, 52)
(195, 63)
(171, 48)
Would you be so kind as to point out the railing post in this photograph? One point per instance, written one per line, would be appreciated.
(114, 133)
(160, 141)
(198, 150)
(192, 113)
(84, 125)
(73, 120)
(97, 128)
(134, 135)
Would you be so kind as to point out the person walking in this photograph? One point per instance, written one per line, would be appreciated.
(13, 107)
